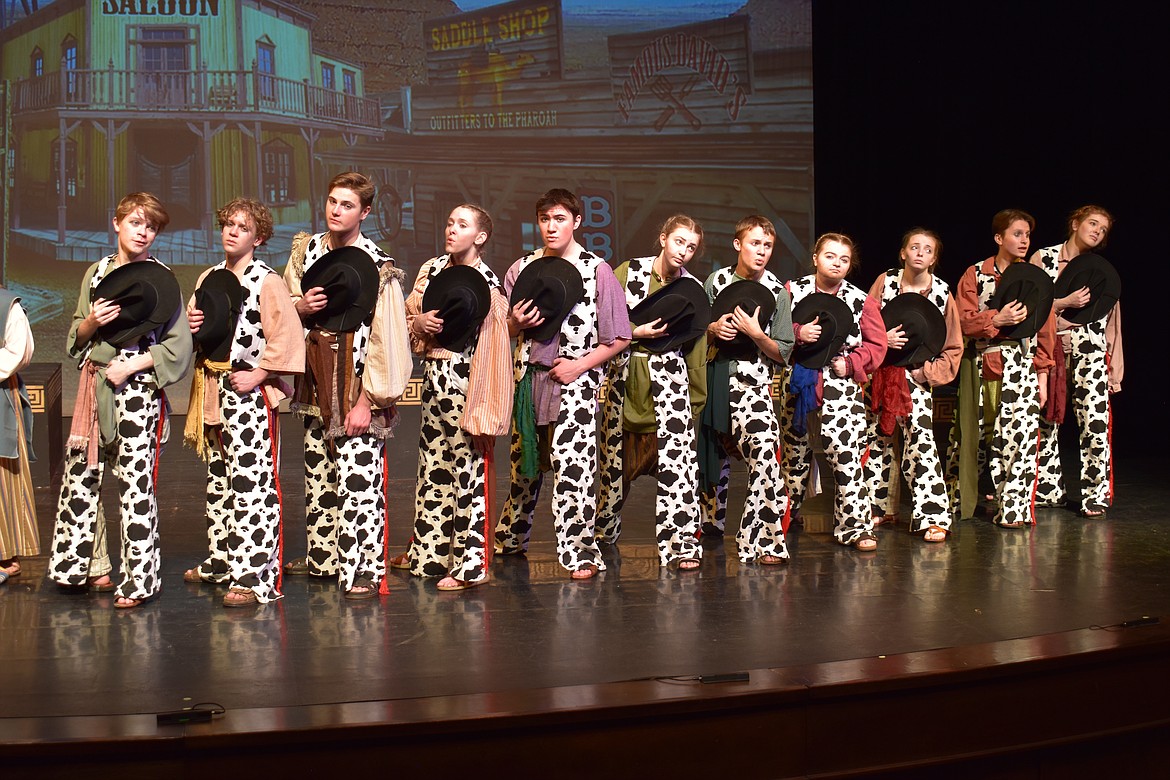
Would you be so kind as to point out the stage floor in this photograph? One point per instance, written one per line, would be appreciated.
(71, 654)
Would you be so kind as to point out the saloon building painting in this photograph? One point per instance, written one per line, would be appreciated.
(195, 100)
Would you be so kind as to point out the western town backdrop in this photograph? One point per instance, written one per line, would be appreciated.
(643, 108)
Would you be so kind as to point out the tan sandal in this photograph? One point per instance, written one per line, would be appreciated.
(586, 572)
(450, 584)
(239, 597)
(935, 533)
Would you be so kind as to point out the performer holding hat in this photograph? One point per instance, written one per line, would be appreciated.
(1003, 377)
(657, 389)
(247, 334)
(840, 340)
(749, 337)
(570, 318)
(458, 320)
(131, 337)
(1088, 321)
(924, 345)
(348, 294)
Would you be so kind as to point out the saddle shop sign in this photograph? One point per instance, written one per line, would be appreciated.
(683, 77)
(160, 7)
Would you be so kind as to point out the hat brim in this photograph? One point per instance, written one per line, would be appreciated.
(923, 325)
(148, 295)
(836, 321)
(555, 286)
(349, 277)
(747, 295)
(462, 297)
(1030, 285)
(682, 306)
(1098, 274)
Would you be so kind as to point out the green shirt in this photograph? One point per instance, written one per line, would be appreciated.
(638, 407)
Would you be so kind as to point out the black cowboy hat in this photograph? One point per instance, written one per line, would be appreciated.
(1098, 274)
(923, 325)
(1031, 286)
(219, 297)
(555, 286)
(836, 321)
(462, 297)
(349, 277)
(683, 308)
(148, 294)
(747, 295)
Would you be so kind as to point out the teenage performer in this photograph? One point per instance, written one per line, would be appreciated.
(466, 404)
(119, 417)
(18, 511)
(739, 413)
(557, 381)
(1095, 366)
(839, 388)
(233, 421)
(930, 515)
(655, 399)
(346, 395)
(1002, 380)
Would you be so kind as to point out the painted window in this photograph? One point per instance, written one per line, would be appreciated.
(163, 49)
(69, 63)
(349, 82)
(70, 167)
(36, 64)
(278, 172)
(327, 76)
(266, 69)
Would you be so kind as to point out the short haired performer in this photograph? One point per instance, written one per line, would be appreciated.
(120, 415)
(353, 376)
(558, 377)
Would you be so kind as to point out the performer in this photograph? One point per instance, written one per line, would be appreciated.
(558, 374)
(127, 356)
(18, 511)
(353, 376)
(233, 420)
(747, 343)
(931, 515)
(466, 403)
(655, 396)
(1094, 365)
(1003, 381)
(861, 337)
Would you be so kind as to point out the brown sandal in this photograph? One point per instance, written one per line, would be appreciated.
(239, 597)
(586, 572)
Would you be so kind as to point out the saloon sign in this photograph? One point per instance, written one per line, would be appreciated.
(160, 7)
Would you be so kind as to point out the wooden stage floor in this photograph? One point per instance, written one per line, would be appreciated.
(532, 628)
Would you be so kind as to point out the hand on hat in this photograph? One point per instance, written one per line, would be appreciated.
(1011, 314)
(748, 324)
(104, 312)
(840, 366)
(896, 337)
(313, 301)
(428, 323)
(650, 330)
(195, 319)
(723, 328)
(811, 331)
(1074, 300)
(525, 314)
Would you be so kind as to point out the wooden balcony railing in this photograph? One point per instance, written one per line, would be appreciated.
(216, 91)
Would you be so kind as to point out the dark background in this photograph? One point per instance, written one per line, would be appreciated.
(940, 114)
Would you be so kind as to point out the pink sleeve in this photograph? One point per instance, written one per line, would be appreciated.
(872, 351)
(976, 324)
